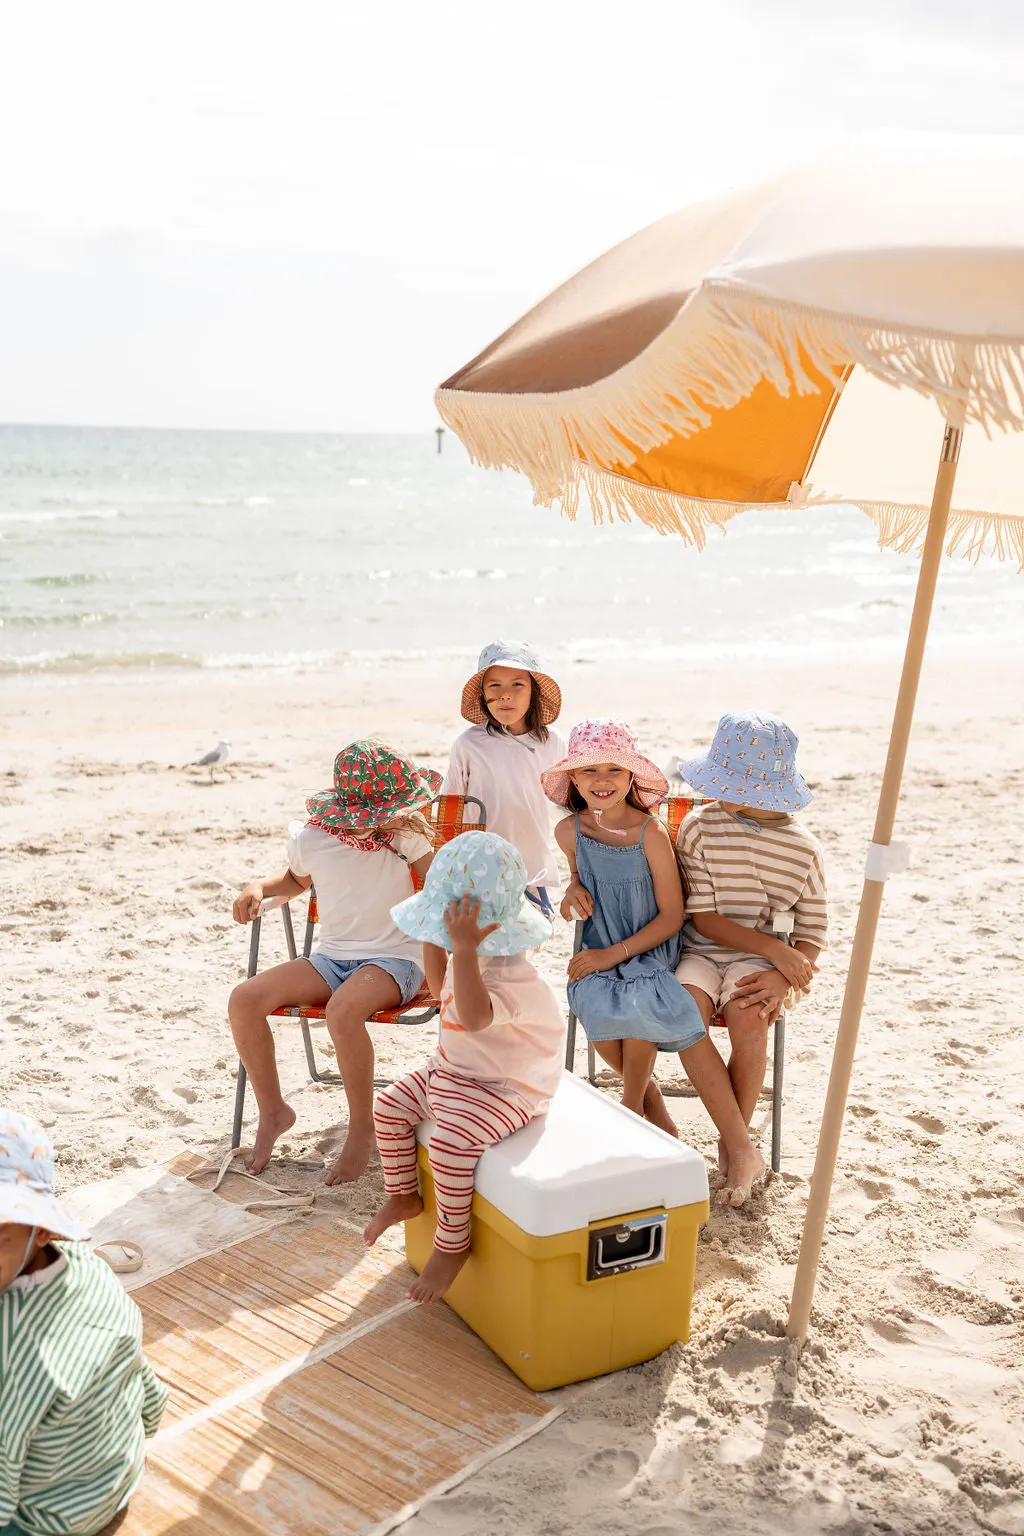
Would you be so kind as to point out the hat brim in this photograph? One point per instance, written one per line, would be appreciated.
(788, 794)
(649, 782)
(29, 1208)
(550, 696)
(426, 788)
(423, 919)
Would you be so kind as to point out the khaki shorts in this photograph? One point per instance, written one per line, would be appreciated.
(719, 979)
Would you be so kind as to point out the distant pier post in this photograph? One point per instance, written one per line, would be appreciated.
(440, 437)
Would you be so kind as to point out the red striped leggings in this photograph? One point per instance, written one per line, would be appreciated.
(468, 1117)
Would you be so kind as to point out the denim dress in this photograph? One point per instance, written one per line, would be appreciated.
(641, 998)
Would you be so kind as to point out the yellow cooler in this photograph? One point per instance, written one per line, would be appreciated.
(584, 1240)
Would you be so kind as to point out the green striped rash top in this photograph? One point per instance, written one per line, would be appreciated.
(77, 1397)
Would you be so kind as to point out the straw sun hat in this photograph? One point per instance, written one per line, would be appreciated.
(605, 741)
(517, 654)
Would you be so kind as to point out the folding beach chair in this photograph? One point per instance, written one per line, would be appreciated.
(447, 815)
(674, 810)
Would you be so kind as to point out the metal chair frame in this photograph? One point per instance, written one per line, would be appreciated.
(412, 1013)
(672, 809)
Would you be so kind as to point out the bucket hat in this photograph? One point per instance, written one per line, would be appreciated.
(751, 761)
(26, 1179)
(372, 783)
(605, 741)
(483, 865)
(510, 653)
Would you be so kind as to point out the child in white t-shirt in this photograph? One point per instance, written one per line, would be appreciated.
(499, 1057)
(500, 759)
(363, 837)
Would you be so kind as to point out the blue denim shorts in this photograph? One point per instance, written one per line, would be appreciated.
(406, 973)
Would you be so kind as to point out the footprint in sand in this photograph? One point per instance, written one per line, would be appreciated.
(612, 1467)
(929, 1123)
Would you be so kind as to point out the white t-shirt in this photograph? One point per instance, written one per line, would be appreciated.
(355, 892)
(504, 772)
(523, 1047)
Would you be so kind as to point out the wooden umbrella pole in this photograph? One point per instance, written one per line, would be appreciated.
(871, 897)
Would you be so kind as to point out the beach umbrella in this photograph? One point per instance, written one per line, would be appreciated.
(743, 353)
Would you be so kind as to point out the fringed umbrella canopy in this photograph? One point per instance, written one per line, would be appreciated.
(737, 353)
(741, 354)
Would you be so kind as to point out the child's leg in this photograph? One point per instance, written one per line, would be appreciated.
(296, 983)
(366, 992)
(748, 1036)
(468, 1117)
(638, 1058)
(655, 1109)
(707, 1072)
(396, 1114)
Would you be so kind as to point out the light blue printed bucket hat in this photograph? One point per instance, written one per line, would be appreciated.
(517, 654)
(26, 1179)
(483, 865)
(752, 761)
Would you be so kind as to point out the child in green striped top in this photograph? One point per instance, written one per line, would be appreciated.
(77, 1395)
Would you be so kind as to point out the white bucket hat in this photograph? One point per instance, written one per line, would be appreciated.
(26, 1179)
(517, 654)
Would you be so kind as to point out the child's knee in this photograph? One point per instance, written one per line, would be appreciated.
(342, 1016)
(745, 1025)
(243, 998)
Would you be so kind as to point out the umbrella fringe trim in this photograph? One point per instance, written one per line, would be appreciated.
(901, 527)
(732, 341)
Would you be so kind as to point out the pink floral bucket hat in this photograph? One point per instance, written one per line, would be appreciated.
(26, 1179)
(751, 761)
(518, 655)
(372, 783)
(605, 741)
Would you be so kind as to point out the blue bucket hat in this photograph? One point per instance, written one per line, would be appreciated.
(752, 761)
(26, 1179)
(483, 865)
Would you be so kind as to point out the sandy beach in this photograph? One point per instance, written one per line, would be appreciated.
(905, 1412)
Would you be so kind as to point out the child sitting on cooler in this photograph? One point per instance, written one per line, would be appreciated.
(746, 858)
(499, 1057)
(77, 1395)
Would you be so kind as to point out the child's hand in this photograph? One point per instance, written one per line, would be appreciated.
(579, 897)
(247, 905)
(796, 968)
(590, 960)
(763, 990)
(461, 920)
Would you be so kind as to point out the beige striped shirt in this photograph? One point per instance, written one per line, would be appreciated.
(732, 868)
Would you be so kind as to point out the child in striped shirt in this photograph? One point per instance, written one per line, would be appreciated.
(745, 858)
(77, 1395)
(499, 1056)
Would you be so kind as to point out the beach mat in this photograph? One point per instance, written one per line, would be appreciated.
(308, 1398)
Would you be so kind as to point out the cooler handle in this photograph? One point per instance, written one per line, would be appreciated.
(626, 1246)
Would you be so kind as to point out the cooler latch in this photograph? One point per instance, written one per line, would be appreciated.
(628, 1245)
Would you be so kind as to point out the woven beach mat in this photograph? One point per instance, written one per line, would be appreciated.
(308, 1398)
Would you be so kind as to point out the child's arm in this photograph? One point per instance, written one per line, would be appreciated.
(790, 960)
(668, 893)
(435, 963)
(247, 904)
(576, 895)
(766, 990)
(422, 865)
(472, 1002)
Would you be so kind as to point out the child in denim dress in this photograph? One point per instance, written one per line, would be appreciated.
(626, 886)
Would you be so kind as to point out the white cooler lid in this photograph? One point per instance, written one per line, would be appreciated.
(585, 1160)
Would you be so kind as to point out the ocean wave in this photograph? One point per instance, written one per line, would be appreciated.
(50, 620)
(80, 515)
(94, 661)
(73, 579)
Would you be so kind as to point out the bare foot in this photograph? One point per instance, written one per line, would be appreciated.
(350, 1164)
(722, 1176)
(271, 1126)
(746, 1170)
(399, 1208)
(656, 1110)
(438, 1273)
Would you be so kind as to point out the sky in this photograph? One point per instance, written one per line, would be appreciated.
(304, 215)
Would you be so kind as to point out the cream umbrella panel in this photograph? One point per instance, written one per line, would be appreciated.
(743, 353)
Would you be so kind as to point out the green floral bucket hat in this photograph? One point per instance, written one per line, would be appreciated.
(483, 865)
(372, 783)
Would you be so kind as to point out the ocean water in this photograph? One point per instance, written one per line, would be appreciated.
(152, 549)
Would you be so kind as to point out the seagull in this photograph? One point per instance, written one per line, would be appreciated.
(215, 759)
